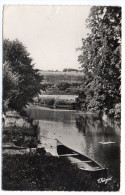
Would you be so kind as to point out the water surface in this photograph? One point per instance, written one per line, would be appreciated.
(83, 132)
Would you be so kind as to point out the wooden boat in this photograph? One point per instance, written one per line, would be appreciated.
(83, 162)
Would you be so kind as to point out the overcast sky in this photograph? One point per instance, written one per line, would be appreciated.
(50, 33)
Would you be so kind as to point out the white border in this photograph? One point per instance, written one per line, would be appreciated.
(63, 2)
(74, 2)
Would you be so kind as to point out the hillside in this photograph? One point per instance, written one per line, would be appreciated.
(61, 83)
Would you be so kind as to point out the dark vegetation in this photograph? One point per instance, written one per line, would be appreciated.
(21, 82)
(70, 70)
(86, 123)
(46, 173)
(20, 136)
(101, 62)
(56, 102)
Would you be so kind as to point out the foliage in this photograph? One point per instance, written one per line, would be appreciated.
(64, 101)
(101, 58)
(116, 111)
(46, 85)
(21, 82)
(54, 82)
(51, 101)
(10, 84)
(47, 101)
(63, 85)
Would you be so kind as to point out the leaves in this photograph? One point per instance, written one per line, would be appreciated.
(101, 57)
(21, 81)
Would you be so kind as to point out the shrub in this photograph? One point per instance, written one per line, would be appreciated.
(63, 85)
(47, 101)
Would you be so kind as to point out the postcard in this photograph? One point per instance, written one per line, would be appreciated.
(61, 97)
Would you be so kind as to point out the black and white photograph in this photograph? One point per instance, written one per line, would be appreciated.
(61, 98)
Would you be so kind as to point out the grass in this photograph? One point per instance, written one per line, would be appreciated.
(44, 173)
(56, 77)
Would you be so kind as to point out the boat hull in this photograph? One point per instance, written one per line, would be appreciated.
(81, 161)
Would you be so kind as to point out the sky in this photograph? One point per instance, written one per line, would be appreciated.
(51, 34)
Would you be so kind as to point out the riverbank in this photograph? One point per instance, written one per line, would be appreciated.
(18, 132)
(38, 172)
(70, 102)
(56, 101)
(34, 170)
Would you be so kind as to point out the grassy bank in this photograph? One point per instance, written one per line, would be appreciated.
(19, 136)
(56, 100)
(45, 173)
(18, 131)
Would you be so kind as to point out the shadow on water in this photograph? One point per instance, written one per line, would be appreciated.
(102, 140)
(81, 124)
(86, 133)
(95, 124)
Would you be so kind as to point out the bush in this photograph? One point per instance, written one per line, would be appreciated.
(63, 85)
(47, 101)
(116, 112)
(64, 102)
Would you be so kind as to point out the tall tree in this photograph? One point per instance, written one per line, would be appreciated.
(101, 58)
(18, 63)
(10, 85)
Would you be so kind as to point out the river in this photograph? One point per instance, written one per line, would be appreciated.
(83, 132)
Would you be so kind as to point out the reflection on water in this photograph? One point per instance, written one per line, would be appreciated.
(85, 133)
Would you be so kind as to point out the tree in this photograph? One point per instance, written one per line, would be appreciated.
(10, 81)
(18, 68)
(10, 84)
(101, 58)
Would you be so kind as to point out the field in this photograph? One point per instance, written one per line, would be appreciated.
(56, 77)
(59, 83)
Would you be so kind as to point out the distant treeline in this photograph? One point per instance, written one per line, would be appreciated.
(64, 70)
(71, 70)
